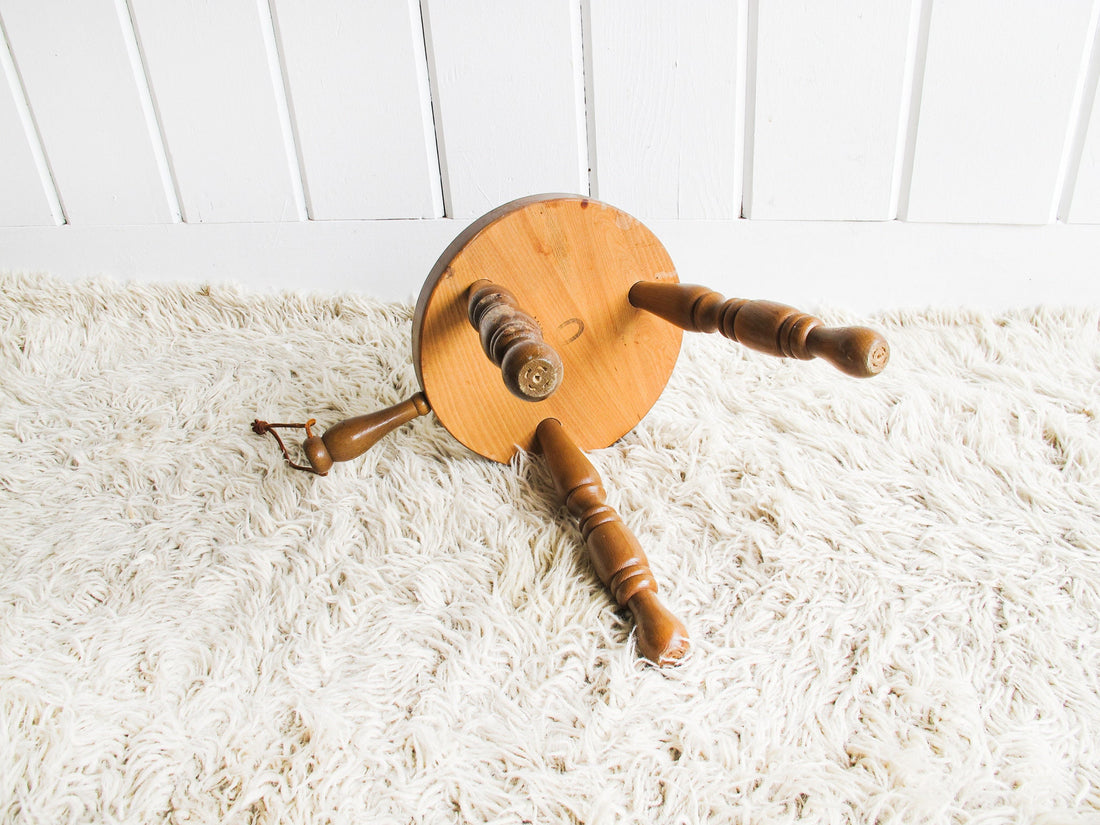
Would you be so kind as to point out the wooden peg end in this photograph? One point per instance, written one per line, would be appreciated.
(857, 351)
(317, 454)
(531, 370)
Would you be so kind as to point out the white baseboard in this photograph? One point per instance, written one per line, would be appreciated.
(861, 266)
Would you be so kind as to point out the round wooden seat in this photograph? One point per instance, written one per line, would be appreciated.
(570, 262)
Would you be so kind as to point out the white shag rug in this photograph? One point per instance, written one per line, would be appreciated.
(893, 585)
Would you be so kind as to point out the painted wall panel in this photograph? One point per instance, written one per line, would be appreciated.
(509, 102)
(996, 109)
(1085, 204)
(357, 78)
(27, 195)
(90, 105)
(868, 265)
(830, 93)
(664, 105)
(219, 96)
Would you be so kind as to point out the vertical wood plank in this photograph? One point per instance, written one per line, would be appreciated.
(1085, 204)
(829, 103)
(362, 114)
(999, 82)
(664, 107)
(508, 119)
(219, 94)
(27, 196)
(1081, 193)
(87, 101)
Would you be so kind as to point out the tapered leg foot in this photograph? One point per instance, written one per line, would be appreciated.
(618, 558)
(662, 638)
(765, 326)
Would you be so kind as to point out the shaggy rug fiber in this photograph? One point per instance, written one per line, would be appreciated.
(893, 585)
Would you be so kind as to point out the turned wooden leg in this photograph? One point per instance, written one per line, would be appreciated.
(618, 558)
(349, 438)
(531, 369)
(762, 325)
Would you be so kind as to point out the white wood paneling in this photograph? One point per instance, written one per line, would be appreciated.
(220, 100)
(664, 93)
(246, 116)
(863, 266)
(74, 60)
(828, 107)
(358, 90)
(1085, 206)
(27, 196)
(508, 118)
(996, 108)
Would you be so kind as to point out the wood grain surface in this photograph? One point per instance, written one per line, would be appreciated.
(766, 326)
(570, 261)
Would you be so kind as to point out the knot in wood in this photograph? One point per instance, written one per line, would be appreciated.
(879, 356)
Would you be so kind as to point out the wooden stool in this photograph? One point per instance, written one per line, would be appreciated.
(551, 325)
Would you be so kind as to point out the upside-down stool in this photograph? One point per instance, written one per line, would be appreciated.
(552, 325)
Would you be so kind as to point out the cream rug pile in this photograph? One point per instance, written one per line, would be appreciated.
(893, 585)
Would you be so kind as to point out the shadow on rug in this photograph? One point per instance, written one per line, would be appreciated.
(893, 585)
